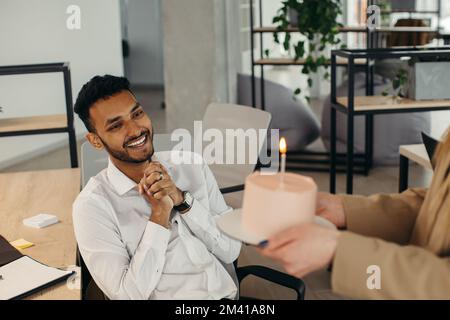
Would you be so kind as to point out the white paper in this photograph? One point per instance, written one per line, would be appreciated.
(24, 275)
(41, 220)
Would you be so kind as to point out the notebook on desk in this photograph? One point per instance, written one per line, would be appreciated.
(21, 276)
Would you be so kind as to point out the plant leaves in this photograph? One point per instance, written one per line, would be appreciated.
(308, 99)
(396, 84)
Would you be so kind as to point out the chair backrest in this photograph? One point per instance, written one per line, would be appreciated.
(92, 162)
(223, 117)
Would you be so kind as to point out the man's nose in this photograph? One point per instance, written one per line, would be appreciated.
(133, 129)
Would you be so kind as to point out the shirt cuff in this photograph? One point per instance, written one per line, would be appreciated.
(155, 236)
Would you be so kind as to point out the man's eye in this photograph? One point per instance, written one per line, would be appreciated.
(138, 113)
(115, 126)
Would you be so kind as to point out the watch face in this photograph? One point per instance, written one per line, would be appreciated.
(188, 199)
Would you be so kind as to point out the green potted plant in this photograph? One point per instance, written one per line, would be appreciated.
(399, 85)
(317, 21)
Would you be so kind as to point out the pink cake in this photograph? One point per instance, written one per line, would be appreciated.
(273, 203)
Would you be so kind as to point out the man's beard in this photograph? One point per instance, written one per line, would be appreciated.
(123, 156)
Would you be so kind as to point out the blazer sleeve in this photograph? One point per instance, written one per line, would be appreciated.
(387, 216)
(405, 272)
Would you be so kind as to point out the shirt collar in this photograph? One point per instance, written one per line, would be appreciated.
(122, 183)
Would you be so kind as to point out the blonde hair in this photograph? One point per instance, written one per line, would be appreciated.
(432, 228)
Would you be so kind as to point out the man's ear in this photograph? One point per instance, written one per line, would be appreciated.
(94, 140)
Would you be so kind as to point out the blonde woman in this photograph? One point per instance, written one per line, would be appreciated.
(390, 246)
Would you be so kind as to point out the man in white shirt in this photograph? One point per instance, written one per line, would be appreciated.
(146, 227)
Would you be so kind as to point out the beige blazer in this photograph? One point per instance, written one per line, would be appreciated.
(378, 233)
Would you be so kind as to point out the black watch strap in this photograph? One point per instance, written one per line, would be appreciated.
(186, 204)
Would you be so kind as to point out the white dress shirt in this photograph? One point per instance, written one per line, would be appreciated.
(130, 257)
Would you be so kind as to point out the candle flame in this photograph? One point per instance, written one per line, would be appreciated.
(283, 147)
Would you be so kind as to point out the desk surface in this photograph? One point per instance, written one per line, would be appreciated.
(417, 153)
(25, 194)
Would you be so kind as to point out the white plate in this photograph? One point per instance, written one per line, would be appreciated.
(230, 223)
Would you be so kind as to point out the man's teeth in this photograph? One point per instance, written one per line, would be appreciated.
(140, 141)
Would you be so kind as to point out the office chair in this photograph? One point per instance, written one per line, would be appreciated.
(230, 178)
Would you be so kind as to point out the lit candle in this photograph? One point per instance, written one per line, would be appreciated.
(283, 150)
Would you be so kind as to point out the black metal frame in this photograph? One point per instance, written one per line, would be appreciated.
(308, 157)
(70, 129)
(403, 174)
(320, 159)
(370, 55)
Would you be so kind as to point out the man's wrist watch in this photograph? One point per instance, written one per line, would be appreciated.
(186, 205)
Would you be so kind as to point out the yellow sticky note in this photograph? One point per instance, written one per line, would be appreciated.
(21, 244)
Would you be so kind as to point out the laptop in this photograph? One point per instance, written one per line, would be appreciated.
(430, 145)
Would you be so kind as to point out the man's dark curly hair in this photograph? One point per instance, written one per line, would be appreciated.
(98, 88)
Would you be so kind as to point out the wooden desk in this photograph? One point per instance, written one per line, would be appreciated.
(25, 194)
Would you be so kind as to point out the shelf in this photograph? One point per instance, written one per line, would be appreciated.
(295, 29)
(33, 123)
(409, 11)
(379, 103)
(407, 29)
(290, 62)
(360, 29)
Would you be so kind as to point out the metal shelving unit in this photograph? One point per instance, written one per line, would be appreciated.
(370, 105)
(309, 160)
(278, 61)
(365, 160)
(61, 123)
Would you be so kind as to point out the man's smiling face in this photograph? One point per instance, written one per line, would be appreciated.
(123, 128)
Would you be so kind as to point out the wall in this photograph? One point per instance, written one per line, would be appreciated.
(34, 31)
